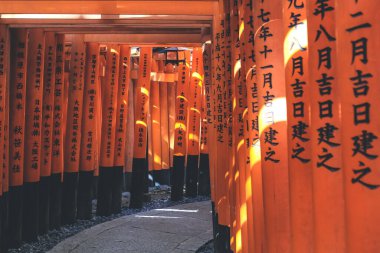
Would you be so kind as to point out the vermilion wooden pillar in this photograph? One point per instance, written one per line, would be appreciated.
(130, 136)
(170, 73)
(33, 122)
(18, 73)
(223, 135)
(193, 144)
(204, 160)
(89, 137)
(180, 134)
(299, 132)
(4, 145)
(121, 126)
(254, 190)
(73, 128)
(47, 130)
(271, 108)
(107, 149)
(239, 106)
(155, 110)
(101, 80)
(164, 116)
(357, 34)
(57, 155)
(141, 113)
(328, 193)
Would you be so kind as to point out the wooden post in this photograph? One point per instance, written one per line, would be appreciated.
(57, 156)
(33, 122)
(206, 120)
(101, 80)
(89, 137)
(130, 133)
(223, 133)
(195, 102)
(4, 145)
(170, 72)
(298, 104)
(121, 126)
(357, 34)
(164, 115)
(73, 128)
(47, 130)
(251, 131)
(326, 157)
(18, 73)
(107, 150)
(140, 143)
(180, 134)
(155, 110)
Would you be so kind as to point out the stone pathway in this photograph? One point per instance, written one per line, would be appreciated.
(177, 229)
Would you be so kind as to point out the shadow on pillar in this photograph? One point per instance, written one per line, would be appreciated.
(69, 197)
(15, 216)
(192, 176)
(204, 176)
(104, 201)
(116, 188)
(84, 195)
(44, 205)
(95, 182)
(31, 211)
(162, 176)
(55, 216)
(4, 237)
(127, 181)
(138, 182)
(177, 178)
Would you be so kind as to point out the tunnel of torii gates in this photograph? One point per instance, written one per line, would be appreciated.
(269, 107)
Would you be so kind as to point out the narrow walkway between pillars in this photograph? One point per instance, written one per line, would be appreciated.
(183, 228)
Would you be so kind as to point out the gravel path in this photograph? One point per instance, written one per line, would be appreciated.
(160, 197)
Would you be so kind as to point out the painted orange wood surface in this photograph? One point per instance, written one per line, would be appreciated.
(326, 157)
(142, 102)
(122, 105)
(75, 104)
(90, 103)
(4, 77)
(57, 156)
(155, 110)
(109, 105)
(358, 41)
(18, 74)
(48, 103)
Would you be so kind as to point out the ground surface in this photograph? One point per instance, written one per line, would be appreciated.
(177, 229)
(159, 199)
(207, 248)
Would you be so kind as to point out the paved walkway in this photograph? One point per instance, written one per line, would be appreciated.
(176, 229)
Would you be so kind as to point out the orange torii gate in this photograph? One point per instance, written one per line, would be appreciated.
(288, 123)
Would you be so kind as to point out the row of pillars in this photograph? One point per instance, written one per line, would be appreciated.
(292, 108)
(82, 120)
